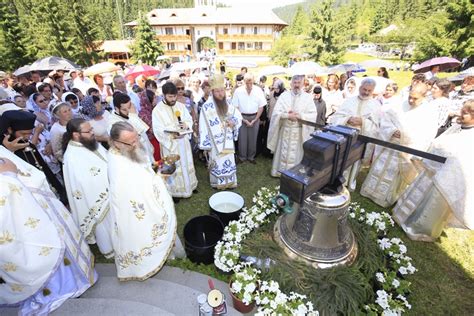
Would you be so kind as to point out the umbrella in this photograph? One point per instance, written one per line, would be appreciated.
(380, 83)
(165, 74)
(273, 70)
(241, 63)
(377, 63)
(101, 68)
(139, 70)
(22, 71)
(463, 74)
(53, 63)
(354, 67)
(444, 63)
(189, 65)
(306, 68)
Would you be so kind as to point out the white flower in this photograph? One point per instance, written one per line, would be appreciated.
(302, 309)
(390, 312)
(352, 215)
(380, 277)
(403, 249)
(384, 243)
(396, 241)
(250, 288)
(247, 299)
(382, 299)
(273, 304)
(403, 270)
(236, 287)
(411, 269)
(395, 283)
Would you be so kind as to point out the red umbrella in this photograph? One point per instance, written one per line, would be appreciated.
(444, 63)
(142, 70)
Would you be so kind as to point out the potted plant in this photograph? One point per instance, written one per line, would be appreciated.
(243, 287)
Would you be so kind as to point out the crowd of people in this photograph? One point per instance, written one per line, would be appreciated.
(82, 162)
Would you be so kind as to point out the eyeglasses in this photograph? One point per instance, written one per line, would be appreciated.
(41, 101)
(180, 88)
(87, 132)
(128, 144)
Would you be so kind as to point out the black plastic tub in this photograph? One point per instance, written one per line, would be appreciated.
(201, 235)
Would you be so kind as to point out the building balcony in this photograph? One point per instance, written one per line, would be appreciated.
(174, 38)
(249, 52)
(245, 37)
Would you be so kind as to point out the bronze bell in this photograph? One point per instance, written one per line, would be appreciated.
(318, 232)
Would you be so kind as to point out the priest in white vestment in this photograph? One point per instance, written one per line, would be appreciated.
(286, 135)
(145, 220)
(219, 123)
(363, 113)
(413, 124)
(442, 194)
(125, 112)
(171, 120)
(43, 257)
(87, 184)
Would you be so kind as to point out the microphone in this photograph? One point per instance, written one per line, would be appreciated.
(178, 115)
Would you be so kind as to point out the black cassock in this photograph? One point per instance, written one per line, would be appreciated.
(33, 157)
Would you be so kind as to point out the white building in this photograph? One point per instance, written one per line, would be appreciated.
(241, 32)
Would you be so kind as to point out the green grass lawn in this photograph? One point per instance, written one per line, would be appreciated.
(443, 284)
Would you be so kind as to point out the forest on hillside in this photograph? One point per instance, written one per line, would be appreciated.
(323, 29)
(320, 29)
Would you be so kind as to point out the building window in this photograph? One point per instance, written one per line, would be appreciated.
(199, 32)
(241, 46)
(249, 45)
(255, 30)
(226, 31)
(188, 32)
(242, 30)
(170, 46)
(212, 32)
(234, 46)
(221, 45)
(258, 45)
(168, 30)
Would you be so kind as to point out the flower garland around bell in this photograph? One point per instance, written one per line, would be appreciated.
(392, 287)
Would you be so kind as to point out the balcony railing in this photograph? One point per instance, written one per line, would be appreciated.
(245, 37)
(244, 52)
(175, 53)
(174, 38)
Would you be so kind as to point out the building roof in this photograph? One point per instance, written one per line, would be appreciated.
(211, 16)
(116, 46)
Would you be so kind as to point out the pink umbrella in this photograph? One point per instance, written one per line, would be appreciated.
(141, 70)
(444, 63)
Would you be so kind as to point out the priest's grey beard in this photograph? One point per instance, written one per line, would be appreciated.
(90, 144)
(222, 107)
(137, 154)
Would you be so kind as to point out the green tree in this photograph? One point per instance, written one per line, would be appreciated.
(460, 27)
(433, 42)
(57, 29)
(146, 48)
(324, 43)
(85, 34)
(284, 48)
(300, 23)
(380, 19)
(14, 52)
